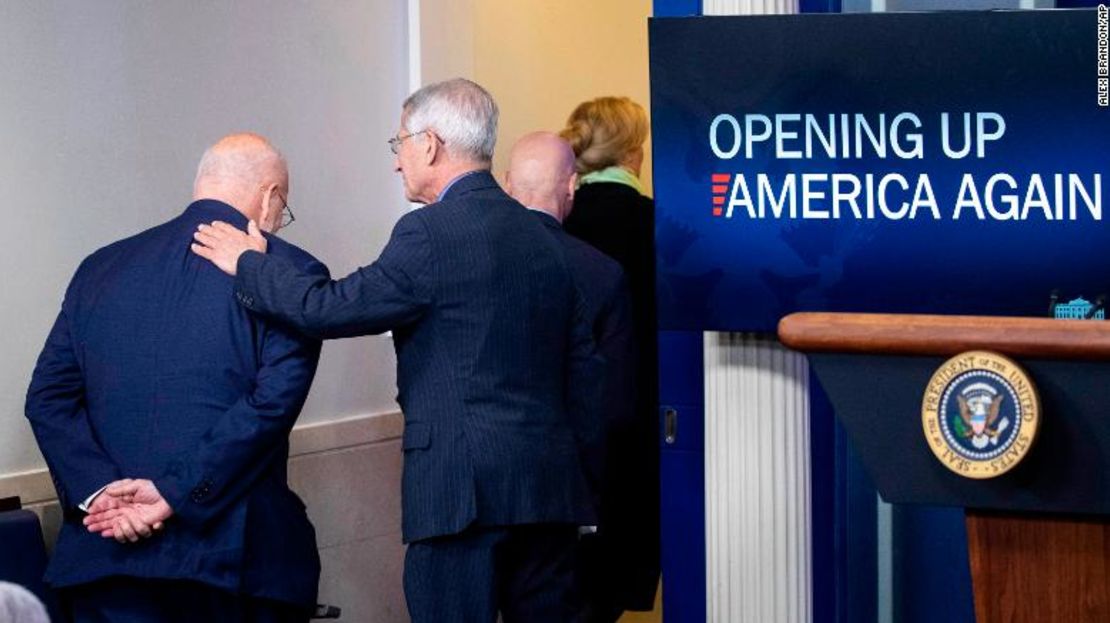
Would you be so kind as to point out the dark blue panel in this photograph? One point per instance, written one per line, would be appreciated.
(822, 435)
(856, 529)
(932, 579)
(682, 473)
(681, 370)
(683, 523)
(676, 8)
(1034, 69)
(819, 6)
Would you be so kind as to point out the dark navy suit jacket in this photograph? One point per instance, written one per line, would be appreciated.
(152, 370)
(492, 339)
(604, 290)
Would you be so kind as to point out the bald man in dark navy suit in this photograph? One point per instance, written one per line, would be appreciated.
(541, 175)
(163, 409)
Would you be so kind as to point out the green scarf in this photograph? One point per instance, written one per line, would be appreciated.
(617, 174)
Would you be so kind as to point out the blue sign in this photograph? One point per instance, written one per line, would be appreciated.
(920, 162)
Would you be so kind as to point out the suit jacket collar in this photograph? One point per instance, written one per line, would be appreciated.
(547, 219)
(208, 210)
(476, 180)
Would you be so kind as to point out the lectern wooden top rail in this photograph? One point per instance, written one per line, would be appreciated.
(923, 334)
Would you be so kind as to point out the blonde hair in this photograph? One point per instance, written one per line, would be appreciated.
(604, 131)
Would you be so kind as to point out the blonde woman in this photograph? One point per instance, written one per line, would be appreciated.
(620, 562)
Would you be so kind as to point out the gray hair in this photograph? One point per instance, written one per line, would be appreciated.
(460, 112)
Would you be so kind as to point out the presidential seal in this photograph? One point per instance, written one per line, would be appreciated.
(980, 414)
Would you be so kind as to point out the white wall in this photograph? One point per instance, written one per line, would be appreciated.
(105, 108)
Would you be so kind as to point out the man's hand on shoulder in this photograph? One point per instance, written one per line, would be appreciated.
(128, 510)
(222, 244)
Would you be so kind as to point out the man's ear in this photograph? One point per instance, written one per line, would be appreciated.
(268, 203)
(432, 147)
(568, 203)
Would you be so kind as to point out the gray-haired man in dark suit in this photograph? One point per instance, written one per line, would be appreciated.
(492, 341)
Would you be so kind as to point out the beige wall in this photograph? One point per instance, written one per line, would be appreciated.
(539, 59)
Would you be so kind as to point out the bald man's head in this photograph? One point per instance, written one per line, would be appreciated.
(541, 173)
(248, 173)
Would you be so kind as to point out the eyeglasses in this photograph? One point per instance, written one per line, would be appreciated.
(395, 142)
(287, 217)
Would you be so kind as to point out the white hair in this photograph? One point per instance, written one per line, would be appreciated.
(461, 113)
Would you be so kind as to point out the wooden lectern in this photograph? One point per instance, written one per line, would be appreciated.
(1038, 537)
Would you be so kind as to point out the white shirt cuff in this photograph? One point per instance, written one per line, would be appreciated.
(84, 506)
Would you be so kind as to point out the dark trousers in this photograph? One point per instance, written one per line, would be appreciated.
(599, 580)
(136, 600)
(524, 572)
